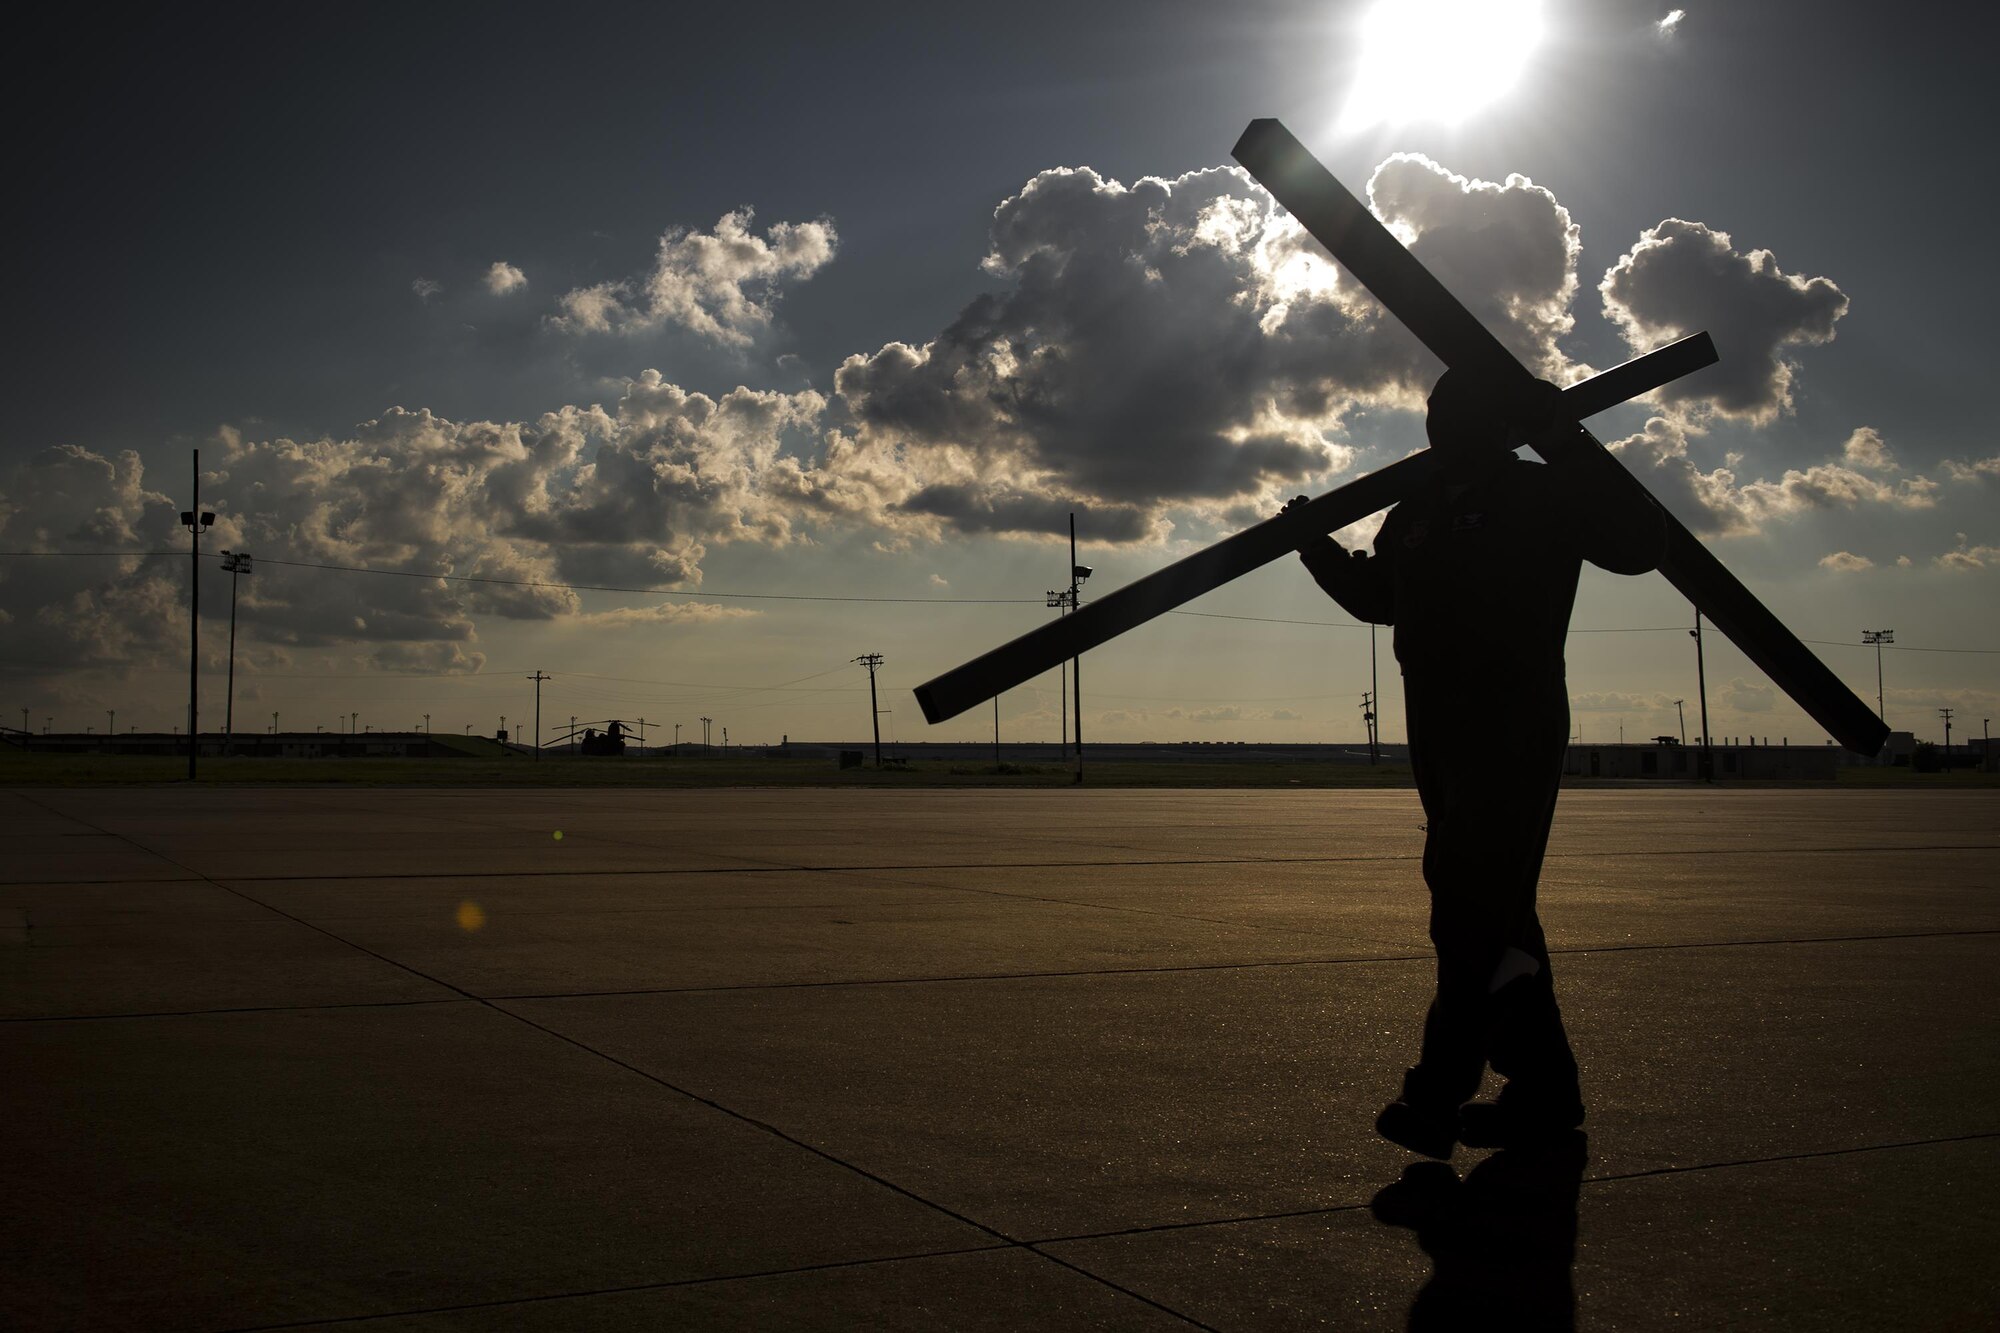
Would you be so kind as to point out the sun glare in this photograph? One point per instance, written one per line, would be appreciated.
(1439, 60)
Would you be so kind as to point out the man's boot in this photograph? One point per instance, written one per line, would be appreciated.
(1421, 1119)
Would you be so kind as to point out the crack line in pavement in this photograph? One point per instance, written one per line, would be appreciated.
(786, 867)
(1217, 967)
(626, 1290)
(241, 1009)
(1611, 1179)
(658, 1081)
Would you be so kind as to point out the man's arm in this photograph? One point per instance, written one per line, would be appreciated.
(1360, 583)
(1626, 534)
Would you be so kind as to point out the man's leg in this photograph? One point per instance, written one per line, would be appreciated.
(1525, 1041)
(1467, 932)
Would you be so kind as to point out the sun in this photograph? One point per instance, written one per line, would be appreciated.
(1439, 60)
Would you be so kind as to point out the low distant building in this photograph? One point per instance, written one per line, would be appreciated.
(1794, 763)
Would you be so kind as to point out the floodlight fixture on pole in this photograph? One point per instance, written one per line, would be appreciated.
(1878, 637)
(871, 661)
(196, 521)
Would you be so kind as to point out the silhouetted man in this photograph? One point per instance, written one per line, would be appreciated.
(1477, 573)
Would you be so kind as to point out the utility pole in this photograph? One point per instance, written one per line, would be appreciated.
(1945, 713)
(196, 522)
(1368, 721)
(642, 736)
(235, 564)
(538, 678)
(677, 740)
(706, 748)
(427, 734)
(572, 733)
(871, 661)
(1707, 764)
(1682, 714)
(110, 721)
(1878, 637)
(1374, 693)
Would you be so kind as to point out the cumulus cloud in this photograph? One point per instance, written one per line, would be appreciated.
(1845, 562)
(1683, 277)
(1717, 502)
(503, 278)
(85, 612)
(1967, 557)
(1747, 696)
(1174, 344)
(721, 284)
(426, 288)
(664, 613)
(634, 496)
(1613, 701)
(1670, 25)
(1972, 469)
(1866, 450)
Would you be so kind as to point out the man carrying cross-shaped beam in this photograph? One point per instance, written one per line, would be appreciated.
(1499, 392)
(1477, 571)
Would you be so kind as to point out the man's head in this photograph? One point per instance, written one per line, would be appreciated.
(1475, 423)
(1467, 416)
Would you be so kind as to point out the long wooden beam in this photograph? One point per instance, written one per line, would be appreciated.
(1136, 603)
(1366, 249)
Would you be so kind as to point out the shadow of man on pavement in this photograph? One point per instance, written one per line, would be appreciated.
(1502, 1241)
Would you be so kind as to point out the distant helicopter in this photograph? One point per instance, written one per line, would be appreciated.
(587, 739)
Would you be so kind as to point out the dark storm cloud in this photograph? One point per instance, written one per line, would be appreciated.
(1683, 277)
(968, 510)
(1183, 344)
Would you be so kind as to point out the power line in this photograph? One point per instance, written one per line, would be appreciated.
(905, 601)
(572, 587)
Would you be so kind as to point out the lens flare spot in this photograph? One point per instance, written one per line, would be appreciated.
(471, 916)
(558, 835)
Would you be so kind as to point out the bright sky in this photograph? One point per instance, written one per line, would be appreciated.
(787, 304)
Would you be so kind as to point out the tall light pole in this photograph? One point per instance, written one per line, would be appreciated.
(196, 521)
(705, 747)
(538, 678)
(1878, 637)
(677, 740)
(1077, 574)
(871, 661)
(1059, 599)
(236, 563)
(110, 721)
